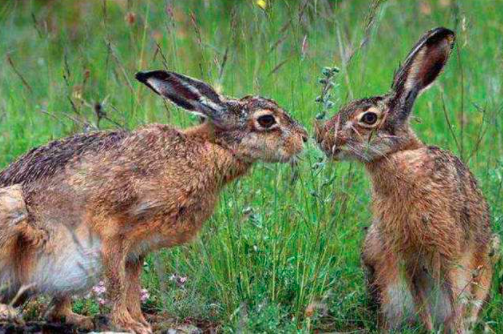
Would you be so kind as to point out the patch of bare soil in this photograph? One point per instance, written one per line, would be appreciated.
(161, 324)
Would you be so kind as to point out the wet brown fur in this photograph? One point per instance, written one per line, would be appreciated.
(137, 192)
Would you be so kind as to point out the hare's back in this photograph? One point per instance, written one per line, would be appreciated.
(448, 169)
(438, 170)
(438, 181)
(46, 161)
(461, 192)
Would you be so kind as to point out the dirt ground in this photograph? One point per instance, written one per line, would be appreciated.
(161, 324)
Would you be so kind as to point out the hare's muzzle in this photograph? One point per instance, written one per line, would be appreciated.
(322, 134)
(319, 131)
(325, 135)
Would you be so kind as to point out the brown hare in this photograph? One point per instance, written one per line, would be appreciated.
(107, 199)
(427, 250)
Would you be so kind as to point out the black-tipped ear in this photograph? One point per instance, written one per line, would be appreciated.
(188, 93)
(421, 67)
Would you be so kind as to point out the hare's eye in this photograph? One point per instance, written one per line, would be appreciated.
(266, 121)
(369, 118)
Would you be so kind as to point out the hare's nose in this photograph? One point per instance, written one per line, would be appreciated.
(304, 134)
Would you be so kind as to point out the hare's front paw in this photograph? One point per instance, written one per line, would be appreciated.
(141, 319)
(126, 323)
(80, 321)
(74, 319)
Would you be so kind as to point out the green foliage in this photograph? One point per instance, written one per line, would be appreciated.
(282, 252)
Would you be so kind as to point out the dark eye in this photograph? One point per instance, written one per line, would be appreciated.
(266, 121)
(369, 118)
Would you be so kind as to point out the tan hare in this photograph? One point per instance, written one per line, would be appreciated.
(107, 199)
(427, 250)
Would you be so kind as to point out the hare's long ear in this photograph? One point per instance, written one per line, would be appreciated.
(421, 67)
(188, 93)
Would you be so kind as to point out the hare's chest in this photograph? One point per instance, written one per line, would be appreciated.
(176, 229)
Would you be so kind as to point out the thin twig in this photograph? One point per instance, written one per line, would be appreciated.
(223, 63)
(277, 67)
(75, 120)
(446, 114)
(160, 52)
(282, 38)
(121, 66)
(482, 130)
(462, 110)
(35, 25)
(11, 63)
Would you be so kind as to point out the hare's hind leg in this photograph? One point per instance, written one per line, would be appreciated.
(11, 314)
(480, 286)
(12, 297)
(482, 264)
(468, 285)
(458, 288)
(62, 312)
(14, 218)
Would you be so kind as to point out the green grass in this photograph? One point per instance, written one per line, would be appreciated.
(275, 244)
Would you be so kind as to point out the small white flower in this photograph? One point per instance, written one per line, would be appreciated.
(144, 296)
